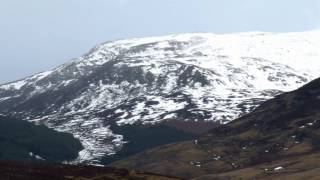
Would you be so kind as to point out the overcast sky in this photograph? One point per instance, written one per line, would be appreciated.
(37, 35)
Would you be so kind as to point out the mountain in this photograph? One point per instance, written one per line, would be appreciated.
(24, 141)
(278, 140)
(185, 84)
(39, 171)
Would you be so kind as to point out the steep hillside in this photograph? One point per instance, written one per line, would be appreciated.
(280, 139)
(184, 78)
(23, 141)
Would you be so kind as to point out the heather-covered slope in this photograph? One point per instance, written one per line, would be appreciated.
(23, 171)
(280, 139)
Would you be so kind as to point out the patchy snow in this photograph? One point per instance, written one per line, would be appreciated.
(31, 154)
(15, 85)
(217, 158)
(278, 168)
(146, 80)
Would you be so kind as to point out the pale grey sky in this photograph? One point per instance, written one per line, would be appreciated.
(37, 35)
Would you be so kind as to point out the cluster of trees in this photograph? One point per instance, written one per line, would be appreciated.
(24, 141)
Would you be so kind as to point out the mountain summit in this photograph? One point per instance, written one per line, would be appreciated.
(187, 77)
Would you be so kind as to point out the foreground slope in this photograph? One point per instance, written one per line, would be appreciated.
(19, 171)
(280, 139)
(141, 82)
(24, 141)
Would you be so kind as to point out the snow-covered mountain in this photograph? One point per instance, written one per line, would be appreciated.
(187, 77)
